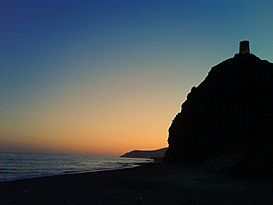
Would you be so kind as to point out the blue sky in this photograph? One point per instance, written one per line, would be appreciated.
(64, 56)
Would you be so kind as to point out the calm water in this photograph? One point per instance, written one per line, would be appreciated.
(15, 166)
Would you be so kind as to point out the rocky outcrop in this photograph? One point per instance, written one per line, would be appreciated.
(154, 154)
(227, 121)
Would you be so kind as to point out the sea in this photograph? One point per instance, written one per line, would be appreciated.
(15, 166)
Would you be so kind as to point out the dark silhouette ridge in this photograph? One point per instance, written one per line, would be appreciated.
(154, 154)
(227, 121)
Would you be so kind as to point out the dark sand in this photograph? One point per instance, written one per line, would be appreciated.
(148, 184)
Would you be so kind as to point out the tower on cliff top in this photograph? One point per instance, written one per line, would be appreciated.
(244, 47)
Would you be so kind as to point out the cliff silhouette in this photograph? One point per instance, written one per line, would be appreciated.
(226, 122)
(153, 154)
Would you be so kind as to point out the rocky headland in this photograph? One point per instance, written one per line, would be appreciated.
(226, 123)
(153, 154)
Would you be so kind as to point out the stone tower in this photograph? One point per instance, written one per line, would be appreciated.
(244, 47)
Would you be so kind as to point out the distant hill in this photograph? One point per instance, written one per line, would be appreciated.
(159, 153)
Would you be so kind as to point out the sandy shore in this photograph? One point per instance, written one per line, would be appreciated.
(148, 184)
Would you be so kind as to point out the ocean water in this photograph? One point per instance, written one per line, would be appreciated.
(14, 166)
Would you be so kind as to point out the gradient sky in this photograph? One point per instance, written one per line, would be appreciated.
(108, 76)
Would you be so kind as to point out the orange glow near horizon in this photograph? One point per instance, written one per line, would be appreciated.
(116, 122)
(114, 137)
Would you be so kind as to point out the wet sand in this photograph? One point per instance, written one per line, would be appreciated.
(147, 184)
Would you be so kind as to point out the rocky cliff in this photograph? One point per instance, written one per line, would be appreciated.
(154, 154)
(227, 121)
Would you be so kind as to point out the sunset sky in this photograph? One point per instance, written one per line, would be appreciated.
(108, 76)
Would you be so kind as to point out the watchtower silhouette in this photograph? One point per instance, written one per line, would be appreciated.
(244, 47)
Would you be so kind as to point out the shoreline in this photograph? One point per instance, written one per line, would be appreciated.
(152, 183)
(17, 166)
(73, 173)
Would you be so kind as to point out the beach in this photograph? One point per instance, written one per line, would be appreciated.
(148, 184)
